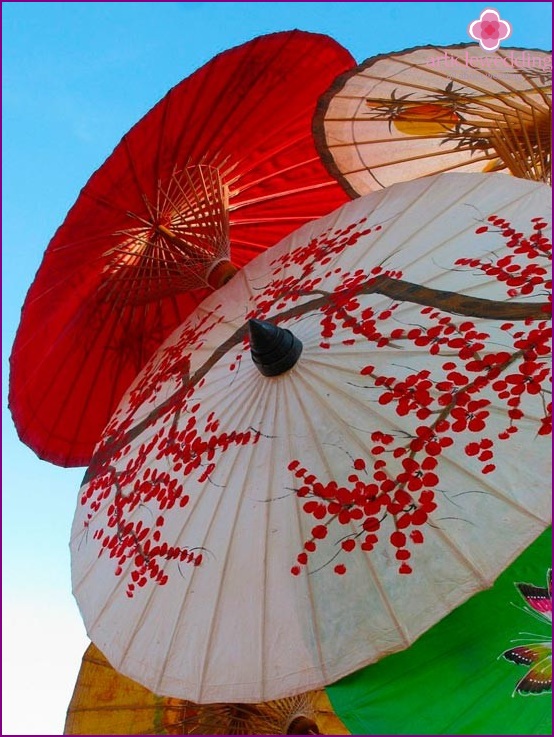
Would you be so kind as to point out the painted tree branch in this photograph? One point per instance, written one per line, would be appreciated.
(396, 289)
(452, 302)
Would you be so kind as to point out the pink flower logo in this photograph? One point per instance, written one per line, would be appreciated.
(489, 30)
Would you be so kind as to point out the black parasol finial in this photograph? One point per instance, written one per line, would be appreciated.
(274, 350)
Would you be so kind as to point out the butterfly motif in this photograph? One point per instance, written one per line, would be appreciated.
(538, 655)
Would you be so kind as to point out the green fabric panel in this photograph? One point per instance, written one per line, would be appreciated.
(452, 681)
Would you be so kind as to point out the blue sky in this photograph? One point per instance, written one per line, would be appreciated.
(76, 76)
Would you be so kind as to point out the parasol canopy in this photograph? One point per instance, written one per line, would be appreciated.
(433, 109)
(221, 168)
(105, 702)
(452, 680)
(325, 458)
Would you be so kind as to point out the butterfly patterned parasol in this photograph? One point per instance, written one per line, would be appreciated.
(433, 109)
(221, 168)
(537, 656)
(456, 679)
(324, 460)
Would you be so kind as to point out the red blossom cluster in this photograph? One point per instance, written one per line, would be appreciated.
(367, 504)
(139, 548)
(521, 278)
(343, 304)
(445, 408)
(175, 362)
(319, 251)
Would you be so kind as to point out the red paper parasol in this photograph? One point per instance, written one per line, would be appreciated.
(221, 168)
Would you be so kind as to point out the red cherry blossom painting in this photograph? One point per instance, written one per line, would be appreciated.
(241, 536)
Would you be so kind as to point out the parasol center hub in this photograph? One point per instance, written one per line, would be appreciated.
(274, 350)
(220, 273)
(181, 242)
(303, 725)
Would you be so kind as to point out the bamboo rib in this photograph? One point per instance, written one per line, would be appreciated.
(175, 250)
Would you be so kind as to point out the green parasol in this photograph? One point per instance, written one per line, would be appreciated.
(454, 680)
